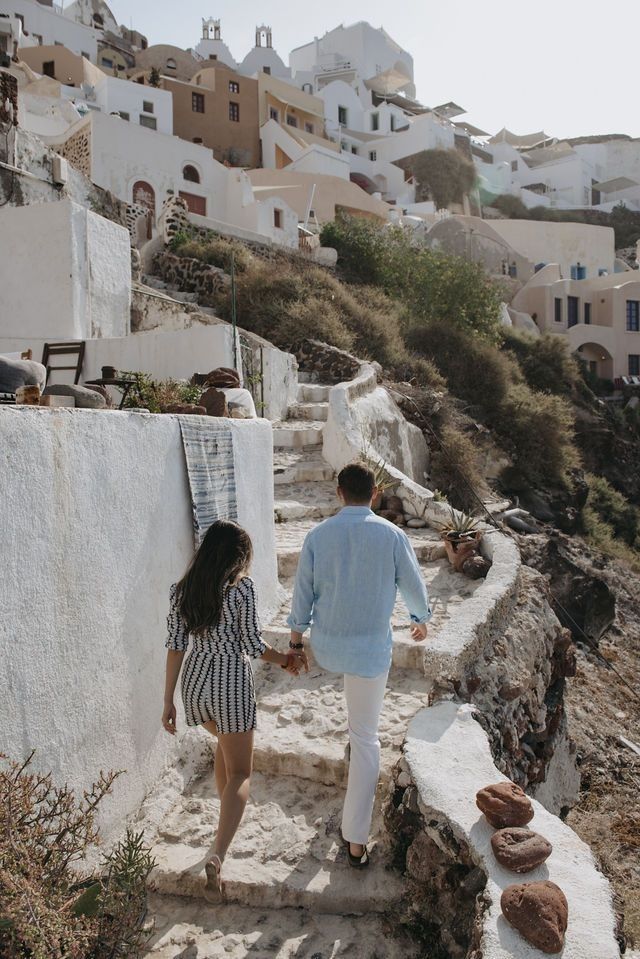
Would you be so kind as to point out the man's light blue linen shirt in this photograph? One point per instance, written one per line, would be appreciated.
(349, 570)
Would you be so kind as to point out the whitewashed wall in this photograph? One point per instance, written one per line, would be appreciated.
(68, 275)
(54, 28)
(95, 525)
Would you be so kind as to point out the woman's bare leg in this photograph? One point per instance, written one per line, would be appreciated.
(237, 749)
(219, 768)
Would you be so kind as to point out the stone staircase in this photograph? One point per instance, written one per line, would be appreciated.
(289, 889)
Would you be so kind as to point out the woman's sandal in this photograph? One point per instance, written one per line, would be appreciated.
(357, 862)
(213, 885)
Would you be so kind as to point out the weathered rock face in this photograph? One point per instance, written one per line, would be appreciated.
(443, 881)
(505, 804)
(580, 597)
(518, 684)
(519, 849)
(609, 450)
(192, 276)
(558, 505)
(539, 911)
(329, 363)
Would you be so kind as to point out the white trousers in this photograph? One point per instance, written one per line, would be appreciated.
(364, 698)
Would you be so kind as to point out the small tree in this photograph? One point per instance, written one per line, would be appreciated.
(511, 207)
(154, 77)
(444, 175)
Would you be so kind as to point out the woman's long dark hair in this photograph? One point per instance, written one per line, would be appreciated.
(224, 553)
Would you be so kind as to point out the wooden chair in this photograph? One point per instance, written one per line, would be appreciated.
(75, 348)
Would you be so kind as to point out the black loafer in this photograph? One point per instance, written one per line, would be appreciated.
(356, 862)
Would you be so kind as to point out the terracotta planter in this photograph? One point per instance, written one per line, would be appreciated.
(460, 548)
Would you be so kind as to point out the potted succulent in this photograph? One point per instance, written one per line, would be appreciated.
(461, 536)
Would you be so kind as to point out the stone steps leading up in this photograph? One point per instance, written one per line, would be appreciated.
(309, 411)
(300, 466)
(297, 433)
(303, 722)
(287, 852)
(313, 393)
(190, 929)
(295, 501)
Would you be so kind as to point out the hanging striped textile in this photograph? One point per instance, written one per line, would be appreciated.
(208, 450)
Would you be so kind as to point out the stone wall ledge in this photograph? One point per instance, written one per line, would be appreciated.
(459, 641)
(447, 757)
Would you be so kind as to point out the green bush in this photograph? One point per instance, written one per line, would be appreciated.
(537, 431)
(511, 207)
(545, 361)
(445, 176)
(613, 509)
(474, 370)
(430, 285)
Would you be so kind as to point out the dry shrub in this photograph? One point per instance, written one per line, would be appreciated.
(48, 909)
(537, 430)
(212, 249)
(545, 361)
(455, 468)
(475, 370)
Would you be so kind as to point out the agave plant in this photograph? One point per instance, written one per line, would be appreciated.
(460, 526)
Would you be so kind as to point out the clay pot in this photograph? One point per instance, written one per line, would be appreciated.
(28, 396)
(109, 373)
(460, 548)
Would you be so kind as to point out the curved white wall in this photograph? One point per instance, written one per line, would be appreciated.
(95, 522)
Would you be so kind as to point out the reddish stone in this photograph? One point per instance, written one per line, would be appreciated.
(215, 402)
(519, 849)
(392, 516)
(540, 913)
(505, 804)
(185, 409)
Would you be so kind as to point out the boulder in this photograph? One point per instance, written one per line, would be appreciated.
(185, 409)
(520, 849)
(392, 516)
(214, 402)
(540, 913)
(16, 373)
(505, 804)
(416, 522)
(393, 502)
(85, 399)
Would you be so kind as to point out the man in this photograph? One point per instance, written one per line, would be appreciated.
(345, 589)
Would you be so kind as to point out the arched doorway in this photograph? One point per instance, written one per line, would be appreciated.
(597, 359)
(144, 195)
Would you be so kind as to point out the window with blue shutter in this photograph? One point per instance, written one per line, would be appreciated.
(633, 316)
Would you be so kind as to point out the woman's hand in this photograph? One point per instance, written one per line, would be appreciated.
(169, 718)
(296, 662)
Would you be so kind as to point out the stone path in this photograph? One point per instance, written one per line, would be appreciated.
(289, 889)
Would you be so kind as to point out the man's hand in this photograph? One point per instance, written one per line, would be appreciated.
(169, 718)
(296, 645)
(419, 632)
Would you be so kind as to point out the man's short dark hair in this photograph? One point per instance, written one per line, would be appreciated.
(357, 482)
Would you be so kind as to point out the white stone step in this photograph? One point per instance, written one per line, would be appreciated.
(309, 411)
(286, 854)
(302, 722)
(300, 466)
(313, 393)
(190, 929)
(297, 433)
(296, 501)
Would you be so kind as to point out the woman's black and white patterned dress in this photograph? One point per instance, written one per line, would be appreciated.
(217, 679)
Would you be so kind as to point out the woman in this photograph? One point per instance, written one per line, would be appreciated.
(215, 603)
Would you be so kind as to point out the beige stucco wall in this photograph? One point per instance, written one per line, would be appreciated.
(331, 194)
(563, 243)
(608, 296)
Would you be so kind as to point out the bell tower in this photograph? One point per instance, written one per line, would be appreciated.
(264, 37)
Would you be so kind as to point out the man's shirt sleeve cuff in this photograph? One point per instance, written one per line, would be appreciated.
(297, 627)
(421, 619)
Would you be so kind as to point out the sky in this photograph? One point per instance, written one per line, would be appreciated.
(569, 67)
